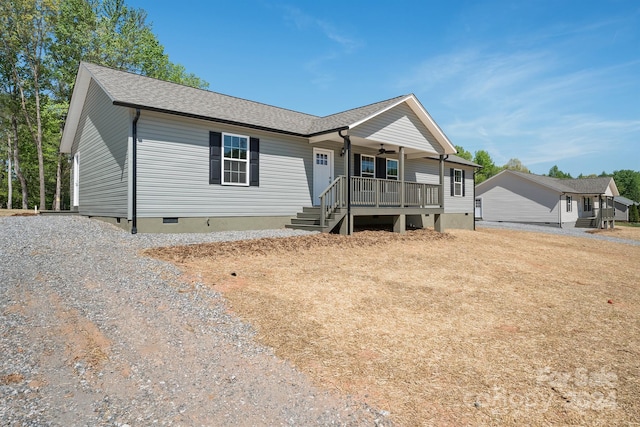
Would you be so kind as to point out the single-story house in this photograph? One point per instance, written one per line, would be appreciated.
(622, 206)
(155, 156)
(512, 196)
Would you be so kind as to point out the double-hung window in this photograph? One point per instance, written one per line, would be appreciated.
(569, 202)
(457, 182)
(392, 169)
(235, 150)
(367, 166)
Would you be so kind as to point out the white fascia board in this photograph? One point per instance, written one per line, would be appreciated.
(78, 97)
(614, 187)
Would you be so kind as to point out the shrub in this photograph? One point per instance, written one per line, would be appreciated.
(634, 215)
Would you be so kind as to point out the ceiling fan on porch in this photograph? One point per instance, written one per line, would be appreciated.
(382, 150)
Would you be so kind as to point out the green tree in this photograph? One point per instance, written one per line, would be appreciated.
(10, 110)
(628, 183)
(464, 153)
(634, 215)
(516, 165)
(27, 24)
(489, 168)
(41, 44)
(555, 172)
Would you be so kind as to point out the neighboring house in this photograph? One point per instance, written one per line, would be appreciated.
(154, 156)
(622, 206)
(512, 196)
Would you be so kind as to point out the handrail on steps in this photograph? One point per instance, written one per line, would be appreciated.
(331, 199)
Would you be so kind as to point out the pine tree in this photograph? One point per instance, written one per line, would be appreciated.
(634, 215)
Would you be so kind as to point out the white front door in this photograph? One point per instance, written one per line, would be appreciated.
(322, 172)
(76, 179)
(478, 213)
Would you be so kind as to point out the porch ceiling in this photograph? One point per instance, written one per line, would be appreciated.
(373, 144)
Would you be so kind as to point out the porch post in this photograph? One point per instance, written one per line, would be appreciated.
(438, 218)
(347, 165)
(401, 173)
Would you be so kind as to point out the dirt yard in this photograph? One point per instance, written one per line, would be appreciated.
(492, 327)
(16, 212)
(621, 232)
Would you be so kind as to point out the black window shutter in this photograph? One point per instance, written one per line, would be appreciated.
(215, 165)
(381, 168)
(356, 165)
(452, 181)
(254, 162)
(462, 182)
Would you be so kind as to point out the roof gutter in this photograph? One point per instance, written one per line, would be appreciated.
(134, 172)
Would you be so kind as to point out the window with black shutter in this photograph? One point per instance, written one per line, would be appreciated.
(233, 159)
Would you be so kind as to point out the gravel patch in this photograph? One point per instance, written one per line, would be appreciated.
(568, 231)
(92, 334)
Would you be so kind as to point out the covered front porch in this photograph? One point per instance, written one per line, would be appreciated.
(601, 213)
(375, 143)
(348, 199)
(378, 197)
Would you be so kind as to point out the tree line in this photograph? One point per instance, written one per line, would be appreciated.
(42, 43)
(627, 181)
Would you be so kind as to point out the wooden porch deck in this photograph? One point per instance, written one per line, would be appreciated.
(370, 196)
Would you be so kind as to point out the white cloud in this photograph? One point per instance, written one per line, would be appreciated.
(535, 105)
(304, 21)
(319, 66)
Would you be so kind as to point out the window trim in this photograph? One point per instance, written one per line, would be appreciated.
(387, 176)
(245, 160)
(373, 162)
(457, 184)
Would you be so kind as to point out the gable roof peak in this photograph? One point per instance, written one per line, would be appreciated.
(128, 89)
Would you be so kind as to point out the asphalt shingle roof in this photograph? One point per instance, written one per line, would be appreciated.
(625, 201)
(134, 90)
(570, 185)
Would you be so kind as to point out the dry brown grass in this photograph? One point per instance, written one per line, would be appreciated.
(16, 212)
(492, 327)
(621, 232)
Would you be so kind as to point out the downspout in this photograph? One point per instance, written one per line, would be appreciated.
(347, 148)
(134, 172)
(473, 175)
(443, 158)
(560, 211)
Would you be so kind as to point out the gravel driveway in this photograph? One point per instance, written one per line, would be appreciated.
(93, 334)
(567, 231)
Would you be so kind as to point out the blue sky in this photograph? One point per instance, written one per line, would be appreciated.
(548, 82)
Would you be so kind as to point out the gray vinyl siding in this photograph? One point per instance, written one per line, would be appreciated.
(102, 140)
(428, 171)
(422, 170)
(622, 211)
(510, 198)
(459, 204)
(173, 172)
(398, 126)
